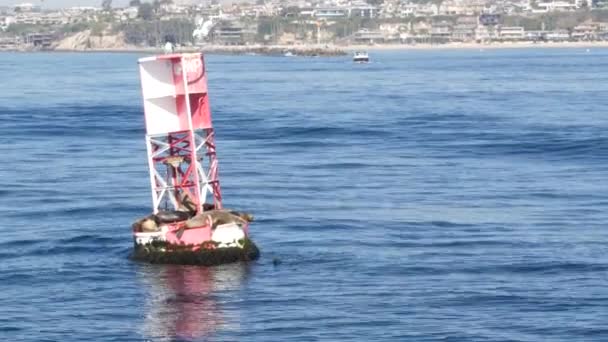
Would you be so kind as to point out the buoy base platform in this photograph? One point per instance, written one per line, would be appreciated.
(161, 252)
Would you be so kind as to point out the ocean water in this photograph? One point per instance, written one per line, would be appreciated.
(427, 196)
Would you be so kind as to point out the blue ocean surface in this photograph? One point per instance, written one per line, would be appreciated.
(426, 196)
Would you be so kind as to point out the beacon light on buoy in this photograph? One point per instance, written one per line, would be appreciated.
(183, 227)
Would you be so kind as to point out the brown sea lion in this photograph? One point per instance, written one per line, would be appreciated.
(216, 217)
(208, 206)
(149, 225)
(245, 216)
(146, 225)
(186, 203)
(170, 216)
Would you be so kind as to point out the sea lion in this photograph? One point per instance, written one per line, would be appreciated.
(245, 216)
(186, 204)
(216, 218)
(171, 216)
(147, 224)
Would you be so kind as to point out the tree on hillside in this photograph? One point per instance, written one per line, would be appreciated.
(21, 29)
(155, 32)
(106, 5)
(145, 11)
(290, 11)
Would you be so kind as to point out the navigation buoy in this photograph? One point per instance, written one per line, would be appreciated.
(183, 227)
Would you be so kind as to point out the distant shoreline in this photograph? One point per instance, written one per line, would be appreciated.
(328, 50)
(261, 50)
(489, 46)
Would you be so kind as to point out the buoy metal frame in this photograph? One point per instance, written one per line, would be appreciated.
(180, 138)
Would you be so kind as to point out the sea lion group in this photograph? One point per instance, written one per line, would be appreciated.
(187, 211)
(215, 217)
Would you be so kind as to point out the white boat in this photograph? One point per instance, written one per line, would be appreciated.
(360, 57)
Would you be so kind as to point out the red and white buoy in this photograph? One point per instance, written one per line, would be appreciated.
(179, 132)
(180, 143)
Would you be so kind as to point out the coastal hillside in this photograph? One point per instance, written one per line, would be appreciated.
(86, 40)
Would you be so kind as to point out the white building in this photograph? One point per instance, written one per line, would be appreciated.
(330, 12)
(557, 6)
(485, 33)
(408, 10)
(512, 33)
(27, 7)
(364, 11)
(6, 21)
(558, 35)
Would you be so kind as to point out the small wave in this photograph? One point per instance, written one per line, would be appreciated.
(545, 268)
(549, 146)
(73, 121)
(344, 165)
(89, 238)
(21, 243)
(10, 329)
(57, 250)
(16, 277)
(310, 133)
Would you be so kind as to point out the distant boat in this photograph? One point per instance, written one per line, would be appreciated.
(288, 54)
(360, 57)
